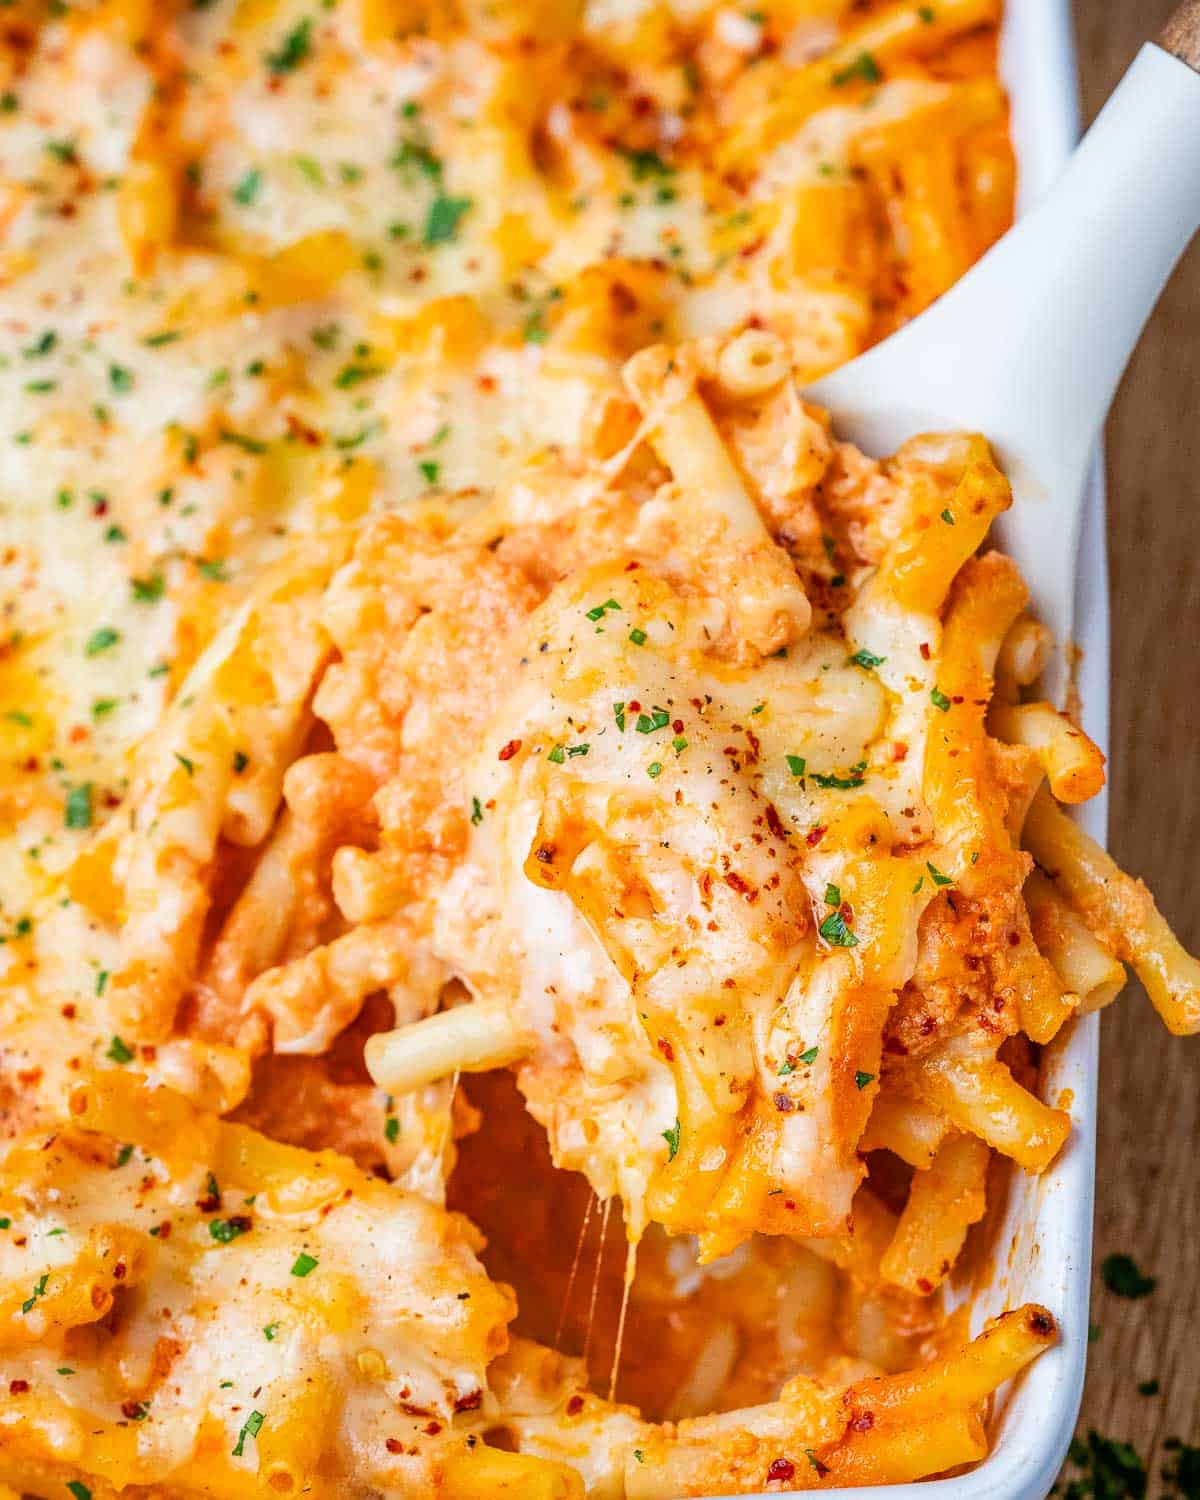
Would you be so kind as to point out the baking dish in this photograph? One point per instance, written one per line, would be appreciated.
(1040, 1249)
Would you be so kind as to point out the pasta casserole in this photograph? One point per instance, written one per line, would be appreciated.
(480, 749)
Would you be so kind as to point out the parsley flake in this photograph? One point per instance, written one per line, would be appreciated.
(835, 932)
(118, 1051)
(1122, 1277)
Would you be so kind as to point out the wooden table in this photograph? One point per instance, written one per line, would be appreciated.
(1148, 1192)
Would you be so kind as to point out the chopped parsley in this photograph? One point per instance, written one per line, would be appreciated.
(1122, 1277)
(303, 1264)
(188, 765)
(346, 379)
(936, 875)
(124, 1154)
(619, 715)
(598, 611)
(101, 981)
(445, 214)
(120, 378)
(557, 755)
(796, 764)
(100, 640)
(647, 164)
(269, 1332)
(42, 346)
(638, 637)
(833, 895)
(391, 1129)
(78, 813)
(810, 1056)
(240, 440)
(1110, 1470)
(251, 1427)
(39, 1290)
(862, 1079)
(654, 770)
(672, 1139)
(246, 188)
(1147, 1388)
(948, 516)
(476, 811)
(294, 49)
(842, 783)
(864, 66)
(649, 723)
(118, 1052)
(835, 932)
(867, 660)
(76, 1486)
(148, 590)
(939, 699)
(226, 1230)
(429, 470)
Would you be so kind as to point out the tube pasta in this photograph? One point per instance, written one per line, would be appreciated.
(246, 697)
(772, 608)
(769, 110)
(907, 1127)
(1024, 654)
(1119, 910)
(945, 1200)
(470, 1038)
(929, 555)
(752, 363)
(1074, 765)
(979, 1094)
(1083, 965)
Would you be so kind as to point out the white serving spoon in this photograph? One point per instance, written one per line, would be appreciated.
(1029, 346)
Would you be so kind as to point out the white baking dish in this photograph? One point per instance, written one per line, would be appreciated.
(1042, 1250)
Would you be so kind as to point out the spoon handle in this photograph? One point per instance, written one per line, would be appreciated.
(1181, 35)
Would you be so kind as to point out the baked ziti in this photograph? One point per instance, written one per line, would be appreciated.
(534, 876)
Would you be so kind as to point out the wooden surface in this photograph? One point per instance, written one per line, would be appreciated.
(1148, 1190)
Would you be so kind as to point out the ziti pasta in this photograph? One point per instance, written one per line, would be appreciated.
(478, 749)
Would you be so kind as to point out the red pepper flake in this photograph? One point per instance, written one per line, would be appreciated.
(782, 1469)
(17, 1387)
(924, 650)
(784, 1103)
(815, 835)
(863, 1421)
(899, 751)
(666, 1049)
(509, 750)
(924, 1284)
(574, 1406)
(394, 1445)
(433, 1428)
(470, 1402)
